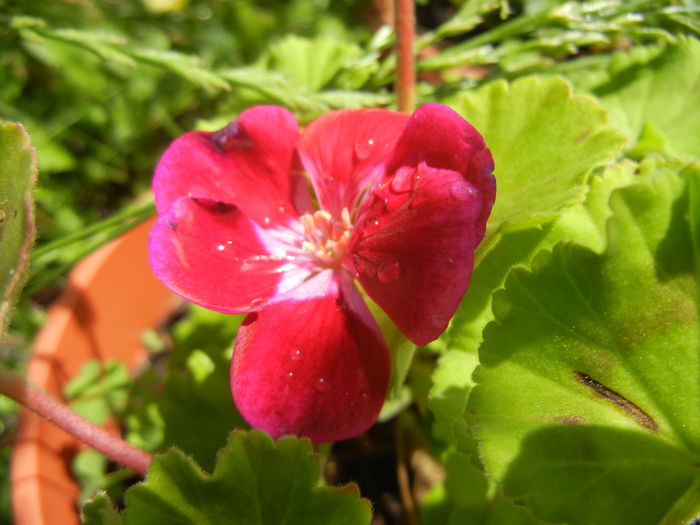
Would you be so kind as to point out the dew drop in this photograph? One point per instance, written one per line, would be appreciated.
(372, 225)
(364, 149)
(220, 247)
(321, 385)
(388, 271)
(461, 191)
(266, 220)
(402, 181)
(296, 354)
(290, 374)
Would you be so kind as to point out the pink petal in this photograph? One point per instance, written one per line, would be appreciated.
(345, 151)
(441, 138)
(413, 247)
(312, 363)
(213, 255)
(250, 163)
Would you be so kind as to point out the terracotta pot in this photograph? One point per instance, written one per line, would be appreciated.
(111, 298)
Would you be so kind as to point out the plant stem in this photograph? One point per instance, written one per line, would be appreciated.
(405, 60)
(47, 406)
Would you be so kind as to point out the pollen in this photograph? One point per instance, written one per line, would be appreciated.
(327, 238)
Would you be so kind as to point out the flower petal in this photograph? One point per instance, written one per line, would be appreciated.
(312, 363)
(213, 255)
(441, 138)
(418, 227)
(250, 163)
(345, 151)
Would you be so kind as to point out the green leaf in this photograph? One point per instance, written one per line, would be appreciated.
(311, 64)
(193, 393)
(17, 178)
(587, 398)
(256, 481)
(544, 140)
(100, 511)
(99, 390)
(657, 104)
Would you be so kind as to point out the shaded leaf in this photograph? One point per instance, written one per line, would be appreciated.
(100, 511)
(256, 481)
(588, 390)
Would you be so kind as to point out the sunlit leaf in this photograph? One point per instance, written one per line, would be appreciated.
(17, 177)
(544, 140)
(657, 104)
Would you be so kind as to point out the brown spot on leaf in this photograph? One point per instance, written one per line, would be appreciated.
(571, 420)
(621, 402)
(583, 136)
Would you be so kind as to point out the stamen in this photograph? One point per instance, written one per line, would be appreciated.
(307, 221)
(345, 219)
(326, 238)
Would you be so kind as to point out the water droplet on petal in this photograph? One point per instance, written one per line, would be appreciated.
(220, 247)
(266, 220)
(296, 354)
(372, 225)
(321, 385)
(402, 181)
(388, 271)
(462, 191)
(364, 149)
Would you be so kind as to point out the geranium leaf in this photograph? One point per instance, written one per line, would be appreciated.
(100, 511)
(583, 223)
(17, 177)
(657, 104)
(255, 481)
(586, 401)
(311, 64)
(544, 140)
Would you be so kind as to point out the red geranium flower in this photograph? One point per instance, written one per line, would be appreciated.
(260, 218)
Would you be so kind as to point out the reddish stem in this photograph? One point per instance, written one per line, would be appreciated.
(405, 61)
(31, 396)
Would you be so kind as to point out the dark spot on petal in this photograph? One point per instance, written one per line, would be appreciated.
(232, 136)
(621, 402)
(172, 225)
(214, 206)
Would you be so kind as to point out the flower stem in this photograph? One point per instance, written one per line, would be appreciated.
(47, 406)
(405, 60)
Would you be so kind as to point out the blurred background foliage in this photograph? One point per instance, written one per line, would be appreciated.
(103, 86)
